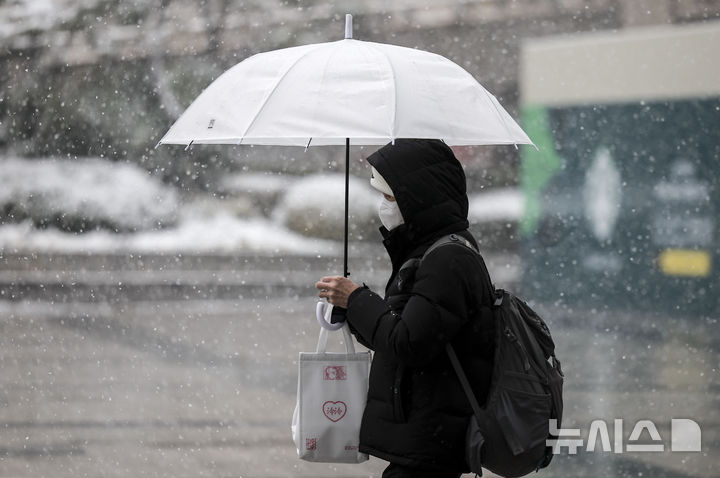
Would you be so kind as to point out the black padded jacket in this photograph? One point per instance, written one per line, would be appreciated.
(417, 413)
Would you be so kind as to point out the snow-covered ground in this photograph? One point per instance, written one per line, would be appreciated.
(84, 193)
(128, 199)
(500, 204)
(220, 233)
(301, 211)
(315, 205)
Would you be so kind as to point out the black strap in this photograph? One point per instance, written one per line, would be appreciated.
(414, 262)
(450, 239)
(463, 381)
(457, 239)
(461, 241)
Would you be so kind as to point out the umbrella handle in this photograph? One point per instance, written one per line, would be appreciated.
(323, 311)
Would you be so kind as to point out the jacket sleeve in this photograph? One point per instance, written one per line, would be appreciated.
(435, 312)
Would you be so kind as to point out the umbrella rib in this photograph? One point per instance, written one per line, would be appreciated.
(495, 105)
(393, 90)
(494, 102)
(438, 104)
(272, 90)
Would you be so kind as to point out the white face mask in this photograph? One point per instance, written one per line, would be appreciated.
(390, 215)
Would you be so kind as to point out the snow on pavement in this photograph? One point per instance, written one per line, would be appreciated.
(221, 233)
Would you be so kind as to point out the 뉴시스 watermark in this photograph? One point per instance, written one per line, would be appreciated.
(685, 436)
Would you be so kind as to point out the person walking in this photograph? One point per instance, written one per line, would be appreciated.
(417, 414)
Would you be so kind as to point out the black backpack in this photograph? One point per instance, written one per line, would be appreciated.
(508, 435)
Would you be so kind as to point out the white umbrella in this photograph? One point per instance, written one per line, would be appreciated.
(335, 92)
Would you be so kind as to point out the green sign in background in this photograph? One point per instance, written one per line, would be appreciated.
(621, 204)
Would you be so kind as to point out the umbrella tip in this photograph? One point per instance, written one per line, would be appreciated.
(348, 26)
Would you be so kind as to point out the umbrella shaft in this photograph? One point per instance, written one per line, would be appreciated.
(347, 204)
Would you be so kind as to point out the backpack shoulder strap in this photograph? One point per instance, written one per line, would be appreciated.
(459, 240)
(444, 240)
(464, 382)
(450, 239)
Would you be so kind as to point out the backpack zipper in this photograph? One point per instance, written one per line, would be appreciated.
(527, 363)
(512, 338)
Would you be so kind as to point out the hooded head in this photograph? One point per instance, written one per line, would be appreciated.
(428, 183)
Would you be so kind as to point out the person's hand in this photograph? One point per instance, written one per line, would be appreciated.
(336, 289)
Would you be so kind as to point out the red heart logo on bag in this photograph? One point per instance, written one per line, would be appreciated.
(334, 411)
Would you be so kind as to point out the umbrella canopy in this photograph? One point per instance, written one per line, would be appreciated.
(335, 92)
(322, 94)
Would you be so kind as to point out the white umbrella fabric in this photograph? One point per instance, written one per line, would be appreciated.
(335, 92)
(321, 94)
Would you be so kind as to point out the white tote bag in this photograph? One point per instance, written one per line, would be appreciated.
(332, 390)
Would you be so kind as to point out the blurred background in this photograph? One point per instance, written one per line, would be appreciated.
(153, 301)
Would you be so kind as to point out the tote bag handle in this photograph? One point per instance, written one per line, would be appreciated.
(323, 311)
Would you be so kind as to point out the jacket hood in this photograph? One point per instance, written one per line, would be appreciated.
(429, 186)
